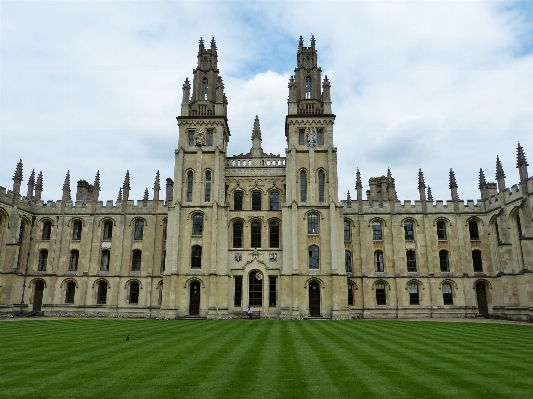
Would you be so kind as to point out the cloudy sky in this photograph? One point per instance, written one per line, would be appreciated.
(96, 85)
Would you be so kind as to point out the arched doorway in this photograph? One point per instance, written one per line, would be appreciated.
(194, 299)
(314, 298)
(481, 293)
(38, 296)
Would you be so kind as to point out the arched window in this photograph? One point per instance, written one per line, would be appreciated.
(378, 261)
(136, 260)
(139, 230)
(163, 261)
(197, 224)
(321, 183)
(165, 227)
(134, 293)
(381, 297)
(206, 64)
(237, 234)
(71, 292)
(447, 295)
(519, 225)
(409, 231)
(76, 230)
(273, 234)
(444, 261)
(441, 230)
(348, 261)
(350, 295)
(274, 201)
(108, 230)
(191, 138)
(411, 261)
(473, 229)
(308, 87)
(104, 261)
(347, 231)
(237, 200)
(377, 232)
(43, 260)
(313, 257)
(189, 186)
(256, 200)
(307, 63)
(303, 186)
(256, 235)
(414, 298)
(476, 260)
(47, 230)
(208, 186)
(102, 293)
(255, 288)
(204, 88)
(196, 257)
(74, 257)
(312, 223)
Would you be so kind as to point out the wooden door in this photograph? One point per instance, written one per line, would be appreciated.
(194, 304)
(482, 299)
(38, 296)
(314, 299)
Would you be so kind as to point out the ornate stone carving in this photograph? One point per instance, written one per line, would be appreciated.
(311, 137)
(238, 257)
(273, 257)
(200, 137)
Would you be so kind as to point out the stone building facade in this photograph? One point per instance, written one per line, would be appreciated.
(266, 231)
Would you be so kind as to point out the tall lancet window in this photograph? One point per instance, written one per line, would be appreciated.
(189, 186)
(303, 186)
(308, 87)
(204, 89)
(321, 180)
(208, 186)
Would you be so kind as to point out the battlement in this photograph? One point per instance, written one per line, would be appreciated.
(412, 207)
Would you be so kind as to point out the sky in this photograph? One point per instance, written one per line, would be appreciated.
(96, 85)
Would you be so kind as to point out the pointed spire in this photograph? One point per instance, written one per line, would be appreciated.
(257, 129)
(39, 186)
(145, 198)
(97, 181)
(301, 43)
(157, 185)
(313, 42)
(482, 181)
(66, 188)
(119, 198)
(421, 182)
(201, 47)
(17, 178)
(520, 157)
(358, 183)
(500, 175)
(453, 183)
(348, 199)
(126, 184)
(213, 45)
(31, 184)
(430, 195)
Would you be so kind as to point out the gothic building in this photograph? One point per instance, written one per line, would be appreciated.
(266, 231)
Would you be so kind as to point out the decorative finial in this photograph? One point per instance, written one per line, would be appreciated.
(97, 181)
(126, 184)
(430, 195)
(358, 183)
(482, 181)
(499, 168)
(18, 172)
(39, 185)
(421, 182)
(119, 194)
(520, 157)
(453, 183)
(157, 185)
(257, 129)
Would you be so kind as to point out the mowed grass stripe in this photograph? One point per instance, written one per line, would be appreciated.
(471, 372)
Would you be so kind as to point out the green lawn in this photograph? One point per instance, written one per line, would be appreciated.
(260, 358)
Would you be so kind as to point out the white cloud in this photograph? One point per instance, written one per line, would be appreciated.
(431, 85)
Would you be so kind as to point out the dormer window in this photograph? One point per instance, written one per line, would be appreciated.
(204, 89)
(307, 87)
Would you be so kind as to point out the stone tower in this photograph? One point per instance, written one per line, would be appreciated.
(196, 210)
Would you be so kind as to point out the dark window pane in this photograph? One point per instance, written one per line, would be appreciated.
(43, 260)
(108, 230)
(409, 232)
(347, 232)
(447, 295)
(134, 293)
(74, 256)
(273, 291)
(303, 186)
(136, 260)
(476, 261)
(414, 298)
(189, 186)
(104, 262)
(274, 201)
(441, 230)
(348, 261)
(321, 183)
(256, 235)
(312, 223)
(255, 289)
(313, 257)
(102, 293)
(191, 138)
(256, 201)
(381, 298)
(238, 291)
(47, 229)
(377, 233)
(209, 138)
(350, 295)
(139, 230)
(237, 201)
(197, 224)
(71, 291)
(196, 257)
(207, 186)
(444, 263)
(378, 261)
(76, 231)
(320, 137)
(274, 234)
(237, 235)
(301, 137)
(411, 261)
(474, 232)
